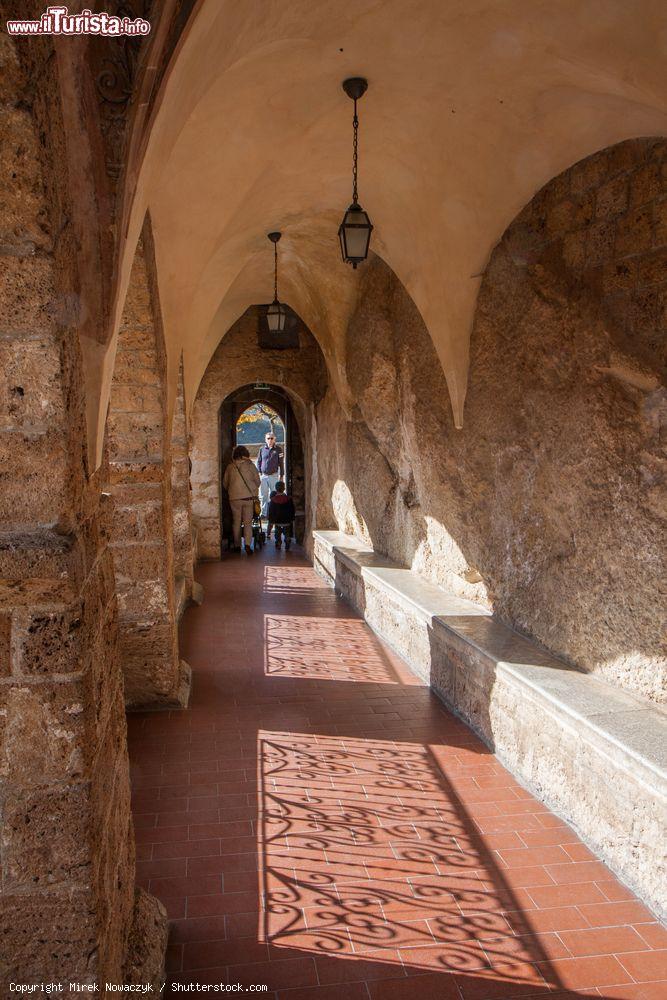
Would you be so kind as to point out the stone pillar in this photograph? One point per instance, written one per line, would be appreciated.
(66, 842)
(181, 502)
(140, 485)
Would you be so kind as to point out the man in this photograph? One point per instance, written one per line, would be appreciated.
(271, 469)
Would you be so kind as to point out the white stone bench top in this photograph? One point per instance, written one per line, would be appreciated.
(424, 597)
(626, 727)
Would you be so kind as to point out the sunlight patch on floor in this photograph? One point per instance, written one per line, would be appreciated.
(365, 853)
(336, 649)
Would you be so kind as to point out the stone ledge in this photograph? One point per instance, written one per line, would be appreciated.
(40, 594)
(175, 700)
(568, 736)
(147, 944)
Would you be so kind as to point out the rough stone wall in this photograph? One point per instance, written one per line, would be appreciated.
(549, 505)
(140, 484)
(66, 842)
(238, 361)
(180, 498)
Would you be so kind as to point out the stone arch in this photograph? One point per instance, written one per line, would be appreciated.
(239, 361)
(480, 157)
(284, 404)
(69, 909)
(181, 501)
(140, 483)
(548, 506)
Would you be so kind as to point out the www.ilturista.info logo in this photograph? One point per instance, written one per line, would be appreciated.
(59, 21)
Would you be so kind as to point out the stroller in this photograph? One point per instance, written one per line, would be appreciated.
(258, 533)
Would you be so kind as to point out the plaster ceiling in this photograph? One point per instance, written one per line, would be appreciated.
(472, 106)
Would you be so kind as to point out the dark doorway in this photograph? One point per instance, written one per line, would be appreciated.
(275, 398)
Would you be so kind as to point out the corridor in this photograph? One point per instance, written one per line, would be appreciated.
(317, 823)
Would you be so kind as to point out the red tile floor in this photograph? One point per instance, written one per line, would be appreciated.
(317, 823)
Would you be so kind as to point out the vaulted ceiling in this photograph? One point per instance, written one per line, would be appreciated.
(472, 106)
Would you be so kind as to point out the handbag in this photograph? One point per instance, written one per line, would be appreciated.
(256, 503)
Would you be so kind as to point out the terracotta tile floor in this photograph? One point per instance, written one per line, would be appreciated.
(318, 824)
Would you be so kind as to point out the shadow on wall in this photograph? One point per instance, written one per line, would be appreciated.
(548, 506)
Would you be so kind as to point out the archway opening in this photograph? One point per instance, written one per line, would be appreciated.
(244, 417)
(256, 421)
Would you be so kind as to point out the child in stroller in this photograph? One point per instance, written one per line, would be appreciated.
(281, 515)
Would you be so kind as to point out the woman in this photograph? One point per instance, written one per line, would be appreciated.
(241, 480)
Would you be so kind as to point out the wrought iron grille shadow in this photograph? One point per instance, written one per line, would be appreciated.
(378, 855)
(365, 858)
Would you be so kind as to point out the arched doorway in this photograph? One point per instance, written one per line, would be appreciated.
(275, 399)
(255, 422)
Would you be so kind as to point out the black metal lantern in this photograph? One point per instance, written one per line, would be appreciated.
(276, 313)
(355, 230)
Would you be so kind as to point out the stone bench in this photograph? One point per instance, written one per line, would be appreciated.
(594, 753)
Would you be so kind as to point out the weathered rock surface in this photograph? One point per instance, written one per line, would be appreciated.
(549, 505)
(141, 483)
(66, 842)
(147, 944)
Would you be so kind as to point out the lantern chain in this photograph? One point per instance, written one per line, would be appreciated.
(275, 272)
(355, 154)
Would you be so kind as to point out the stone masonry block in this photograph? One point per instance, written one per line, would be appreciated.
(590, 173)
(105, 674)
(48, 643)
(40, 553)
(133, 494)
(127, 524)
(571, 214)
(45, 732)
(137, 399)
(5, 645)
(620, 276)
(612, 198)
(23, 219)
(652, 268)
(154, 521)
(660, 223)
(143, 600)
(32, 497)
(140, 561)
(45, 837)
(27, 294)
(136, 337)
(148, 680)
(145, 639)
(69, 950)
(136, 368)
(621, 158)
(645, 184)
(634, 231)
(137, 310)
(574, 249)
(135, 437)
(30, 382)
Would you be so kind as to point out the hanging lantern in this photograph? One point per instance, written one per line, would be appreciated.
(355, 230)
(276, 313)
